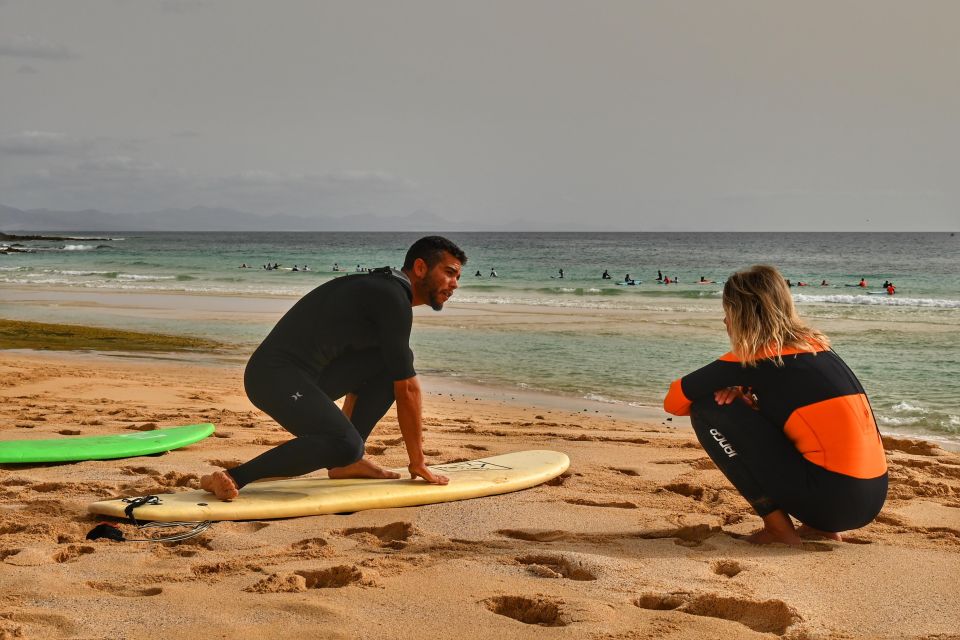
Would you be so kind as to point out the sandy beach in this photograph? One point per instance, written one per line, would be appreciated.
(639, 539)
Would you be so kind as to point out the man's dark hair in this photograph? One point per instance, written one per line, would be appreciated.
(430, 249)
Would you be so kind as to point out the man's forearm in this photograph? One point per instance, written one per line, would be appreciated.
(409, 415)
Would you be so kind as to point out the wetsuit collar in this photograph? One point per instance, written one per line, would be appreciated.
(404, 280)
(399, 275)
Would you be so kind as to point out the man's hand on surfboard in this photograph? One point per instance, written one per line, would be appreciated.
(421, 471)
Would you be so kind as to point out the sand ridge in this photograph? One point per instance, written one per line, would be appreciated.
(640, 538)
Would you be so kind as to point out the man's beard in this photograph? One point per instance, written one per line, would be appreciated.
(434, 303)
(431, 295)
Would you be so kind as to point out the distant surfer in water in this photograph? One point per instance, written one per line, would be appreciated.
(348, 338)
(784, 418)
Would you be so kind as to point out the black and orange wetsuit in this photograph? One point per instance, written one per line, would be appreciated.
(810, 446)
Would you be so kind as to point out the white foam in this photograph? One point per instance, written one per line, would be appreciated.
(890, 301)
(906, 406)
(889, 421)
(78, 247)
(81, 273)
(595, 397)
(135, 276)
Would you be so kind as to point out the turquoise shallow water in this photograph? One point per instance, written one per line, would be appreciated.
(904, 347)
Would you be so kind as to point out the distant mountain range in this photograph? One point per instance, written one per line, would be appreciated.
(213, 219)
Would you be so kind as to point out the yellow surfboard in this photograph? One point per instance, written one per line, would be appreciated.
(315, 496)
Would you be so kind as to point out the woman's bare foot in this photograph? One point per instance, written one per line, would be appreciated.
(766, 536)
(220, 484)
(362, 468)
(806, 531)
(777, 527)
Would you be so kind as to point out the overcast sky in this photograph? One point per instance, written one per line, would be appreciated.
(644, 115)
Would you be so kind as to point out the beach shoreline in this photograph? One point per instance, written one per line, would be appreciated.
(574, 354)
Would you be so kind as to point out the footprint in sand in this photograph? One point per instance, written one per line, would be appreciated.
(556, 566)
(125, 591)
(332, 578)
(220, 569)
(763, 616)
(393, 535)
(72, 552)
(52, 487)
(147, 426)
(936, 468)
(7, 553)
(696, 492)
(140, 471)
(614, 504)
(536, 535)
(299, 581)
(914, 447)
(688, 536)
(311, 548)
(538, 611)
(245, 528)
(729, 568)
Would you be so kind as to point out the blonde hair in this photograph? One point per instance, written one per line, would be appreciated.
(761, 318)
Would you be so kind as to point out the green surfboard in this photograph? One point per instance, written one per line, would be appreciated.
(121, 445)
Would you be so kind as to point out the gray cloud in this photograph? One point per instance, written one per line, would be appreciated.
(26, 69)
(43, 143)
(33, 47)
(181, 6)
(125, 183)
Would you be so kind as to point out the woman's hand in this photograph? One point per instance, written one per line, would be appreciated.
(731, 394)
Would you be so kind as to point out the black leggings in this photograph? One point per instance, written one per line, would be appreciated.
(766, 468)
(303, 404)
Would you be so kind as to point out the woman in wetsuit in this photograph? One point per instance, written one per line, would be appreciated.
(784, 418)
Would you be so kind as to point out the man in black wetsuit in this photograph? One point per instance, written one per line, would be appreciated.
(349, 338)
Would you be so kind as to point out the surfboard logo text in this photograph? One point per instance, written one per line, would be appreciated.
(471, 465)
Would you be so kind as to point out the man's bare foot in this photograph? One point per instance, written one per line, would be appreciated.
(806, 531)
(362, 468)
(220, 484)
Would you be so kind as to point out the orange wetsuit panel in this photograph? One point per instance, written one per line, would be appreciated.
(675, 402)
(839, 435)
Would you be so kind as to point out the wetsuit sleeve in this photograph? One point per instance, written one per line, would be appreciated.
(701, 384)
(392, 319)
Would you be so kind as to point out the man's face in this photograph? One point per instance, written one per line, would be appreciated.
(439, 283)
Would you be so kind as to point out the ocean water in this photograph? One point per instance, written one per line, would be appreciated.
(583, 336)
